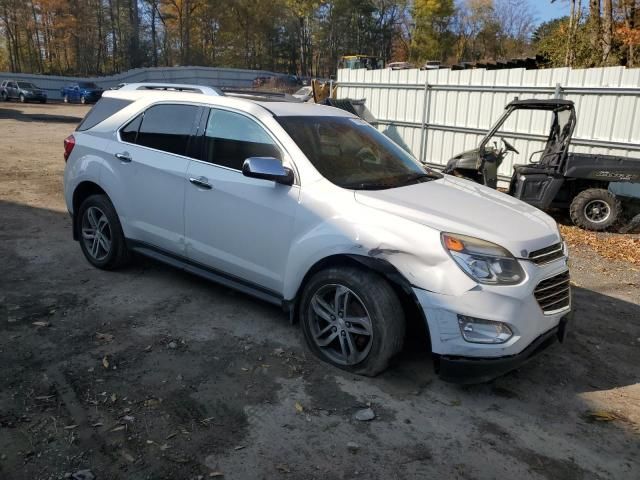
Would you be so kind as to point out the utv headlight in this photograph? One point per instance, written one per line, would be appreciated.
(476, 330)
(483, 261)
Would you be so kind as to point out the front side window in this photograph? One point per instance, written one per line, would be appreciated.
(87, 85)
(26, 85)
(162, 127)
(352, 154)
(230, 138)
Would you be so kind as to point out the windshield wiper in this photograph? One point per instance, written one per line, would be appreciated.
(418, 177)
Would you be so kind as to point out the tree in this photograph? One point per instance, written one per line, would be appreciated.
(432, 38)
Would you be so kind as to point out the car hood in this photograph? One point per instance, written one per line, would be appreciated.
(461, 206)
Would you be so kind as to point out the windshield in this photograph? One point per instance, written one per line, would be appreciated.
(26, 85)
(352, 154)
(88, 85)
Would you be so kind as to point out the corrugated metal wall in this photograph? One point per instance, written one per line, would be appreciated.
(217, 77)
(436, 114)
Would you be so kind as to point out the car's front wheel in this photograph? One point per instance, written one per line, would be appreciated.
(65, 99)
(22, 98)
(4, 96)
(101, 238)
(83, 100)
(353, 319)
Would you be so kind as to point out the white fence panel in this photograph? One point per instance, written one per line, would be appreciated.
(436, 114)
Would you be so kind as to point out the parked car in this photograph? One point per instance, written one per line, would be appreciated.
(83, 92)
(304, 94)
(400, 66)
(430, 65)
(311, 208)
(21, 91)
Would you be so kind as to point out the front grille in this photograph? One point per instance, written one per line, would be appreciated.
(554, 293)
(547, 254)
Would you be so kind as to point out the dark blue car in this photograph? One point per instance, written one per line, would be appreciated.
(83, 92)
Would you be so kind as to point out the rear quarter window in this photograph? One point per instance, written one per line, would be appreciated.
(105, 108)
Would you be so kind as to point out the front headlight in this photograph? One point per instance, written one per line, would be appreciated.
(483, 261)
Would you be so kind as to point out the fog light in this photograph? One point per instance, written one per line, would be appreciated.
(476, 330)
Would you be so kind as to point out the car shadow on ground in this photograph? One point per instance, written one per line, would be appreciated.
(22, 115)
(46, 279)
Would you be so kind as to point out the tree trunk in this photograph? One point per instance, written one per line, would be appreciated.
(607, 30)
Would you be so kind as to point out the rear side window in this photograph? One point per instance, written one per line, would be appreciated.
(231, 138)
(101, 111)
(167, 127)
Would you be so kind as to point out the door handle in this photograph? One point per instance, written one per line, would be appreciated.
(201, 182)
(124, 157)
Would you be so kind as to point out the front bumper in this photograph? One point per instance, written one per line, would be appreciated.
(465, 370)
(516, 306)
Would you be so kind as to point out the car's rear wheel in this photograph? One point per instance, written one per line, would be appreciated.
(353, 319)
(595, 209)
(65, 98)
(101, 238)
(43, 101)
(83, 100)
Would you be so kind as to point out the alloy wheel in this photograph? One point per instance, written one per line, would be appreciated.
(96, 233)
(597, 211)
(340, 325)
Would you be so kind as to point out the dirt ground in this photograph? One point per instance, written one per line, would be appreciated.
(151, 373)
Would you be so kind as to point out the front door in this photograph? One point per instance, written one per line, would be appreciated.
(152, 163)
(238, 225)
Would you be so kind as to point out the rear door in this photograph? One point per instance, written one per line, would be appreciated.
(238, 225)
(151, 162)
(12, 90)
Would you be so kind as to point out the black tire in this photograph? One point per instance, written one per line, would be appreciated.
(22, 99)
(382, 306)
(118, 255)
(4, 96)
(43, 101)
(595, 209)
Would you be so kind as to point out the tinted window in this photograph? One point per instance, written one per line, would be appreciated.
(101, 111)
(352, 154)
(167, 127)
(26, 85)
(231, 138)
(129, 132)
(88, 85)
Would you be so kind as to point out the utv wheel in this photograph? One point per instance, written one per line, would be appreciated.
(595, 209)
(22, 99)
(100, 232)
(352, 318)
(65, 99)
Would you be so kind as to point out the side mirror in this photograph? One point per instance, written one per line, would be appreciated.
(267, 168)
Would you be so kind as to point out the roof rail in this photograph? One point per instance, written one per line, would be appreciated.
(259, 94)
(172, 87)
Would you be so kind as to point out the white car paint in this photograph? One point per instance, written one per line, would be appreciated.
(271, 234)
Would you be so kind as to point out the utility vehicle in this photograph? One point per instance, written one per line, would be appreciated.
(579, 182)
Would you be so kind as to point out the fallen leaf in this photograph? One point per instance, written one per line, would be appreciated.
(299, 408)
(283, 467)
(239, 447)
(601, 416)
(107, 337)
(105, 362)
(70, 427)
(41, 324)
(216, 474)
(114, 397)
(118, 428)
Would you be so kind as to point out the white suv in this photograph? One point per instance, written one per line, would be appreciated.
(311, 208)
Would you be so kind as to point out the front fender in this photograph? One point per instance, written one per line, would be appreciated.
(414, 250)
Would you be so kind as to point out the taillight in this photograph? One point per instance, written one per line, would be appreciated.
(69, 143)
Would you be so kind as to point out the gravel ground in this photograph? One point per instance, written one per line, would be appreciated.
(150, 373)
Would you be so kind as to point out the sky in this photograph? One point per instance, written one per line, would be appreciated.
(545, 10)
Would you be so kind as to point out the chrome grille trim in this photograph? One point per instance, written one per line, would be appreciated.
(547, 254)
(553, 294)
